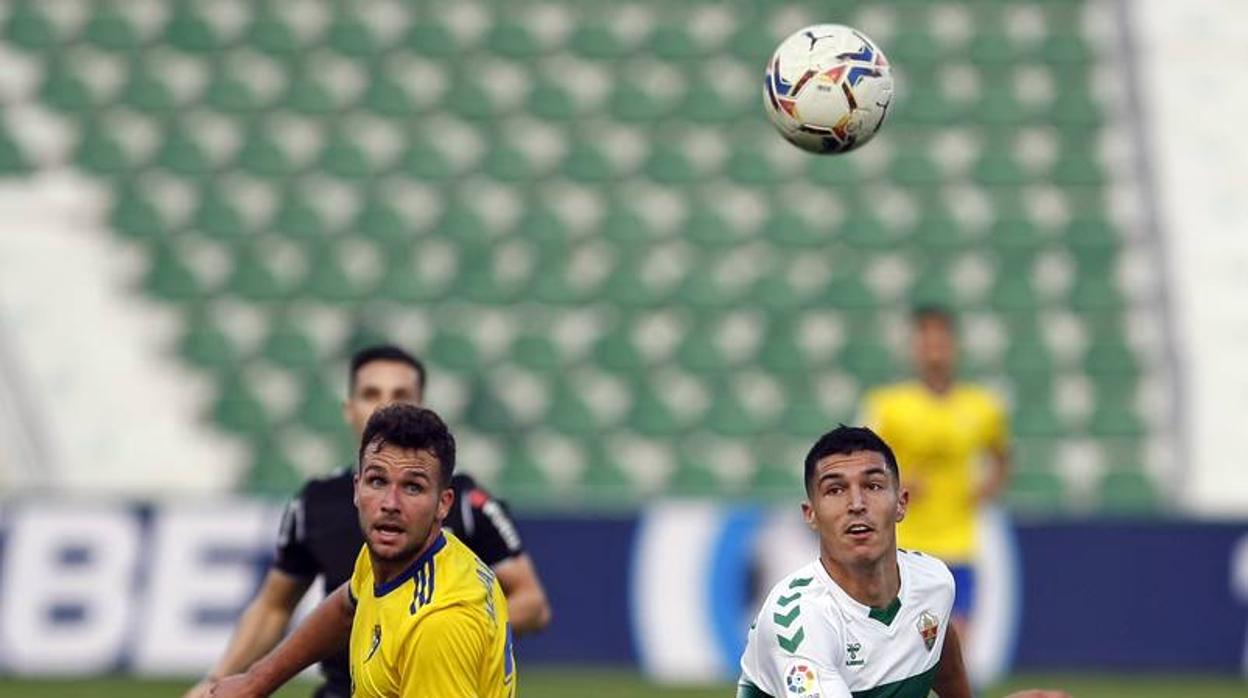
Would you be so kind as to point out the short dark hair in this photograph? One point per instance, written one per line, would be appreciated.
(417, 428)
(384, 352)
(940, 313)
(845, 440)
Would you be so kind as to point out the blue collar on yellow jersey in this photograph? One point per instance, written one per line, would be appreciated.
(425, 557)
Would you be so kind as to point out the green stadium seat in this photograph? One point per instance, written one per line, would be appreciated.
(650, 416)
(271, 471)
(1090, 235)
(1128, 491)
(937, 233)
(320, 408)
(100, 153)
(487, 413)
(238, 410)
(1109, 354)
(135, 215)
(1078, 168)
(189, 32)
(1074, 111)
(568, 413)
(147, 93)
(180, 154)
(788, 229)
(1067, 50)
(911, 167)
(470, 100)
(700, 352)
(1035, 416)
(401, 282)
(110, 30)
(997, 167)
(343, 158)
(422, 161)
(507, 164)
(728, 417)
(694, 475)
(706, 289)
(350, 36)
(1095, 289)
(28, 29)
(306, 94)
(512, 39)
(431, 38)
(217, 216)
(631, 104)
(749, 166)
(12, 160)
(268, 34)
(386, 97)
(932, 286)
(206, 346)
(540, 225)
(261, 156)
(867, 359)
(551, 101)
(703, 104)
(228, 94)
(666, 165)
(453, 351)
(378, 220)
(287, 346)
(842, 172)
(461, 223)
(752, 46)
(863, 230)
(927, 106)
(595, 41)
(587, 163)
(615, 351)
(251, 279)
(1115, 416)
(1036, 491)
(64, 90)
(168, 278)
(914, 48)
(327, 281)
(804, 417)
(672, 42)
(296, 218)
(847, 291)
(536, 351)
(706, 227)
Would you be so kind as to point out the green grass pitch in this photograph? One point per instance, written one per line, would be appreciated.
(606, 683)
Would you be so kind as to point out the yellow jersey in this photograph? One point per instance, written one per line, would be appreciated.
(439, 629)
(937, 440)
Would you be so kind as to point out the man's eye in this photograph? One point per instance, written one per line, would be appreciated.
(413, 488)
(376, 481)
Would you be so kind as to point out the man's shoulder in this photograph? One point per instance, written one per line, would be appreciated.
(794, 615)
(328, 486)
(926, 572)
(979, 396)
(891, 394)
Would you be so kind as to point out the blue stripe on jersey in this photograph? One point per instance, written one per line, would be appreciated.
(424, 559)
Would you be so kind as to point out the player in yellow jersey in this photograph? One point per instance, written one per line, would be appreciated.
(941, 431)
(425, 617)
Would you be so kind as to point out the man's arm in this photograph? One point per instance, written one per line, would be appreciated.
(260, 627)
(327, 630)
(997, 476)
(951, 679)
(527, 607)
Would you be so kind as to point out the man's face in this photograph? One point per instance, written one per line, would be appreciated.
(400, 499)
(377, 384)
(935, 347)
(854, 505)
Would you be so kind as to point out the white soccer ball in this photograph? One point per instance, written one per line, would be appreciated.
(827, 88)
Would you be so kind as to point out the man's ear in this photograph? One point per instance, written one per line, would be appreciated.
(903, 500)
(446, 499)
(808, 515)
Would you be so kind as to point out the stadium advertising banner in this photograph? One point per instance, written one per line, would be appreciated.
(155, 590)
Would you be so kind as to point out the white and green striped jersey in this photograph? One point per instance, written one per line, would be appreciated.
(811, 640)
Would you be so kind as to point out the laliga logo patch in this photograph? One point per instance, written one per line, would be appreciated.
(929, 628)
(799, 680)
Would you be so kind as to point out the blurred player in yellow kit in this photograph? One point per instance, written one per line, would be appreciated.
(940, 430)
(426, 617)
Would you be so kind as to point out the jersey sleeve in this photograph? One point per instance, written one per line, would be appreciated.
(492, 534)
(294, 556)
(443, 657)
(871, 411)
(791, 651)
(361, 576)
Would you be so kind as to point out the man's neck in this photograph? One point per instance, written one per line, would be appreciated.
(386, 570)
(938, 384)
(875, 584)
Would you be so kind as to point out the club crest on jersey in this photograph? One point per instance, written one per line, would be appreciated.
(856, 657)
(929, 628)
(372, 649)
(800, 680)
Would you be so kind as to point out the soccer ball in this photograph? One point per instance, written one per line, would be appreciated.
(827, 88)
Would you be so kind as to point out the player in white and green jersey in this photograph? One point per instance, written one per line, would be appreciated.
(864, 620)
